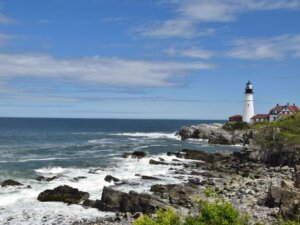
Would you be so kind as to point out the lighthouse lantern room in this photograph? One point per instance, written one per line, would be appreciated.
(249, 106)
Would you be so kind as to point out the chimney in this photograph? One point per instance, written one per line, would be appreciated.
(288, 104)
(277, 104)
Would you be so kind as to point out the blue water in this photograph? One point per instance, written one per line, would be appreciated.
(70, 148)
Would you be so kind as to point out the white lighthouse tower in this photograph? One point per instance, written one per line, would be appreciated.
(249, 106)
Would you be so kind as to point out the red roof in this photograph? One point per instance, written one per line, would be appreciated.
(261, 116)
(293, 108)
(278, 108)
(236, 116)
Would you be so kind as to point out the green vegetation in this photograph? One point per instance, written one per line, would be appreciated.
(211, 213)
(216, 212)
(232, 126)
(164, 217)
(285, 131)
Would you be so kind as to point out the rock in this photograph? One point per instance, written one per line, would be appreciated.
(177, 194)
(297, 176)
(138, 154)
(154, 162)
(297, 180)
(134, 155)
(10, 182)
(48, 179)
(215, 133)
(64, 194)
(161, 188)
(149, 177)
(288, 200)
(126, 155)
(76, 179)
(110, 178)
(117, 201)
(137, 215)
(88, 203)
(287, 184)
(196, 181)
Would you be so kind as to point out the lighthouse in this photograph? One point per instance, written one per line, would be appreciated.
(249, 106)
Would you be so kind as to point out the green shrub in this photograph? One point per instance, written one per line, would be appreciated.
(232, 126)
(217, 213)
(211, 213)
(164, 217)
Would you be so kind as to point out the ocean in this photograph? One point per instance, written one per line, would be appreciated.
(71, 148)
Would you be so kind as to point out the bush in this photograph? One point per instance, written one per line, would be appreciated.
(211, 213)
(217, 213)
(232, 126)
(164, 217)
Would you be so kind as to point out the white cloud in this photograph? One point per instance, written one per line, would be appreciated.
(5, 20)
(173, 28)
(275, 48)
(97, 70)
(228, 10)
(5, 38)
(190, 13)
(192, 53)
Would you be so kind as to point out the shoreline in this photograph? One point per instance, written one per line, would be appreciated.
(247, 192)
(249, 186)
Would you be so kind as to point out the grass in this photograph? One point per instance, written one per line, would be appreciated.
(288, 131)
(232, 126)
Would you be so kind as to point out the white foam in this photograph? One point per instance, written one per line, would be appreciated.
(22, 207)
(50, 170)
(100, 141)
(152, 135)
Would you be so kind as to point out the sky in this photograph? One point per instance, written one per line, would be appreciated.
(167, 59)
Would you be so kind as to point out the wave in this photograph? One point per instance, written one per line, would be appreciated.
(152, 135)
(100, 141)
(30, 160)
(50, 170)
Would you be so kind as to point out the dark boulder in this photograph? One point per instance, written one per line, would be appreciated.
(154, 162)
(117, 201)
(134, 155)
(76, 179)
(110, 178)
(138, 154)
(297, 176)
(64, 194)
(287, 199)
(177, 194)
(48, 179)
(10, 182)
(149, 177)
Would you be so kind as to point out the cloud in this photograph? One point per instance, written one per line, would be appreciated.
(97, 70)
(6, 20)
(173, 28)
(275, 48)
(190, 13)
(228, 10)
(5, 38)
(192, 53)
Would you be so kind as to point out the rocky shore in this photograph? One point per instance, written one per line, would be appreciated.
(266, 191)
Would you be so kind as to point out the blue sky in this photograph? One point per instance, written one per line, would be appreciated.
(186, 59)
